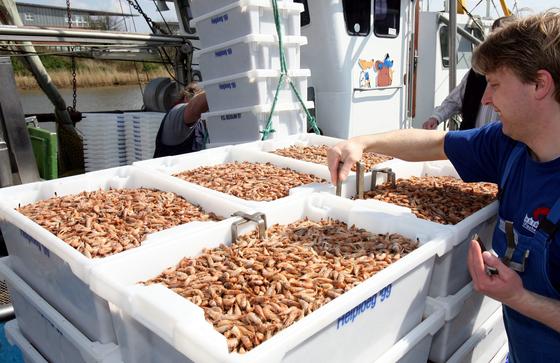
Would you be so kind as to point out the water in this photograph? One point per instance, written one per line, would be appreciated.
(89, 99)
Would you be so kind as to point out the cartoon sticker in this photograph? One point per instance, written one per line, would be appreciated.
(367, 67)
(384, 72)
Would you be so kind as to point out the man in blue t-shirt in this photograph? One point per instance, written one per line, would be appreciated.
(522, 155)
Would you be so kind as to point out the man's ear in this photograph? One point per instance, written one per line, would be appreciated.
(544, 84)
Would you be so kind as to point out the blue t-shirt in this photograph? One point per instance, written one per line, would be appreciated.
(532, 187)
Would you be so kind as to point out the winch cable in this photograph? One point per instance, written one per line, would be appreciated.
(152, 25)
(162, 18)
(74, 82)
(495, 8)
(284, 77)
(133, 62)
(136, 31)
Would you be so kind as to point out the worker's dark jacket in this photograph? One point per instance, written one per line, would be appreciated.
(474, 90)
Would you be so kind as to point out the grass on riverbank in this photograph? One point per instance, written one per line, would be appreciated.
(89, 73)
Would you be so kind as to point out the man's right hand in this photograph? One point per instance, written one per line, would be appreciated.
(430, 124)
(347, 153)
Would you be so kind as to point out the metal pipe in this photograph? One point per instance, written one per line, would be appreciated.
(465, 34)
(411, 64)
(27, 33)
(452, 41)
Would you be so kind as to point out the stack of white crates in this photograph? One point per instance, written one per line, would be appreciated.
(117, 139)
(104, 140)
(240, 64)
(141, 132)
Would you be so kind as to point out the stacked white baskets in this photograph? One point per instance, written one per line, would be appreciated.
(141, 132)
(240, 62)
(104, 140)
(117, 139)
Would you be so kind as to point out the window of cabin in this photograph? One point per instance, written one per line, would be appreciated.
(464, 49)
(357, 16)
(386, 18)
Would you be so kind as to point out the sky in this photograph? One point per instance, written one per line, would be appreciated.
(533, 5)
(149, 8)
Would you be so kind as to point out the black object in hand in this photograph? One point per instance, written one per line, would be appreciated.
(489, 270)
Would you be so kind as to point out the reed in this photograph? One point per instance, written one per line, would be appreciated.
(97, 77)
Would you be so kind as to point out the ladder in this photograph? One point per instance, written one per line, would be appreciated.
(17, 161)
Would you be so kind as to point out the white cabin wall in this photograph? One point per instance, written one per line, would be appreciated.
(332, 55)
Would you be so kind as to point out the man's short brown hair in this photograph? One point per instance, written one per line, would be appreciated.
(524, 46)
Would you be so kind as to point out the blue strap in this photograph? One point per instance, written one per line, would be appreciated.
(513, 156)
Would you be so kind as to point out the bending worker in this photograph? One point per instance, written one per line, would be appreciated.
(521, 62)
(181, 130)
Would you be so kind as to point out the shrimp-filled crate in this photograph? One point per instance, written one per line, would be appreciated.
(254, 87)
(246, 17)
(48, 331)
(250, 177)
(317, 280)
(56, 230)
(254, 51)
(281, 146)
(313, 148)
(433, 191)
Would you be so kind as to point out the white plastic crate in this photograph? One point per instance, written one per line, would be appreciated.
(141, 131)
(311, 139)
(201, 7)
(215, 145)
(15, 337)
(58, 272)
(50, 333)
(155, 324)
(255, 87)
(465, 312)
(246, 17)
(415, 346)
(245, 124)
(450, 273)
(254, 51)
(104, 138)
(166, 166)
(304, 139)
(485, 342)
